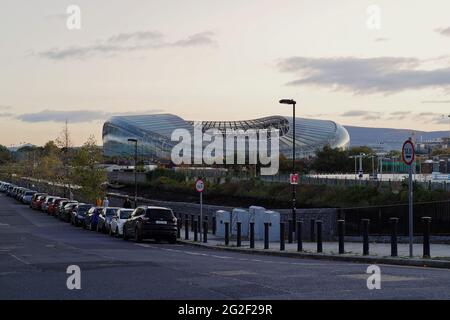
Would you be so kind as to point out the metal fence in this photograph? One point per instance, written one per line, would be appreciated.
(379, 216)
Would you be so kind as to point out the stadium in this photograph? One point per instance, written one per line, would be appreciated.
(154, 131)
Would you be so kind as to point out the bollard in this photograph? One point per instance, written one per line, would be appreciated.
(186, 227)
(312, 235)
(426, 237)
(365, 223)
(238, 235)
(299, 236)
(192, 222)
(282, 236)
(266, 235)
(195, 231)
(205, 232)
(341, 234)
(227, 233)
(290, 231)
(214, 225)
(319, 236)
(394, 250)
(252, 235)
(179, 224)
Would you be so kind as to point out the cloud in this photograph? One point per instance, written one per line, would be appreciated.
(443, 31)
(6, 114)
(385, 75)
(75, 116)
(435, 101)
(365, 115)
(127, 42)
(381, 39)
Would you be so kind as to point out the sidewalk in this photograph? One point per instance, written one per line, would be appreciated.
(378, 252)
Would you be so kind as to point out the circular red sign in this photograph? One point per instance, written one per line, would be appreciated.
(408, 153)
(199, 185)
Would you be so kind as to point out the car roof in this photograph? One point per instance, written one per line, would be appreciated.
(155, 207)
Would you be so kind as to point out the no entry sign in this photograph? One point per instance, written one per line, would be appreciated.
(408, 154)
(294, 178)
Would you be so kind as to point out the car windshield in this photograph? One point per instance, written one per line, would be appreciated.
(83, 208)
(125, 214)
(110, 211)
(29, 193)
(159, 213)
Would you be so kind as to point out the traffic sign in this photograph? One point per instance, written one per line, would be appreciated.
(408, 153)
(294, 178)
(199, 185)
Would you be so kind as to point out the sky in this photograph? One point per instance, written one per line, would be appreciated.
(356, 62)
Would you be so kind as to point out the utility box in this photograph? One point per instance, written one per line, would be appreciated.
(222, 216)
(242, 216)
(274, 219)
(257, 215)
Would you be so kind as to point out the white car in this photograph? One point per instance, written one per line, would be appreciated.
(118, 220)
(27, 196)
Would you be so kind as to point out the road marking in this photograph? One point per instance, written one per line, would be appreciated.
(19, 259)
(231, 273)
(385, 277)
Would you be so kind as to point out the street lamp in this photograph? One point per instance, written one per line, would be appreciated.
(135, 169)
(294, 215)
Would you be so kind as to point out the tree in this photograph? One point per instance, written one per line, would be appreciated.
(86, 170)
(64, 142)
(5, 155)
(331, 160)
(441, 152)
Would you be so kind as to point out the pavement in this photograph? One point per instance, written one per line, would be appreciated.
(36, 250)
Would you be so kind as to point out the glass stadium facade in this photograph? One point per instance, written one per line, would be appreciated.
(154, 134)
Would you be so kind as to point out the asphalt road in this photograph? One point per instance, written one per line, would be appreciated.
(35, 251)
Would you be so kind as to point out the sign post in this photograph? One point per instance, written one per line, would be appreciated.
(408, 156)
(200, 186)
(294, 178)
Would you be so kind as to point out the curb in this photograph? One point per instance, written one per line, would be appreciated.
(425, 263)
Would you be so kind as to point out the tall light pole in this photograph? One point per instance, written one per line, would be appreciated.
(135, 170)
(294, 196)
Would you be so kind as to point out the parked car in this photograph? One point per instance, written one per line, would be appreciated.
(117, 221)
(46, 202)
(61, 206)
(91, 218)
(27, 196)
(53, 207)
(67, 211)
(38, 201)
(78, 214)
(35, 198)
(150, 222)
(104, 219)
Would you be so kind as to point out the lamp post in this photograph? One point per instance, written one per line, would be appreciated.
(294, 196)
(135, 169)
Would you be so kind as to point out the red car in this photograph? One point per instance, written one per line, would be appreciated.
(37, 201)
(53, 206)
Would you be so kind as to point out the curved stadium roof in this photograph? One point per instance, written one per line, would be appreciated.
(154, 133)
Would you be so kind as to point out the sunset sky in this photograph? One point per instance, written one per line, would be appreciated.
(221, 60)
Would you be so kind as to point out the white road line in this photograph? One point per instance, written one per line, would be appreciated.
(19, 259)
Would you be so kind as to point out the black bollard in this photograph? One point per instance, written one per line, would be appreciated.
(205, 232)
(281, 236)
(252, 235)
(179, 224)
(290, 231)
(341, 234)
(312, 235)
(195, 231)
(266, 235)
(192, 222)
(365, 230)
(227, 233)
(426, 237)
(213, 225)
(186, 227)
(238, 235)
(319, 236)
(394, 250)
(299, 236)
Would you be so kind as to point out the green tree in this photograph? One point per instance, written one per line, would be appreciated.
(330, 160)
(5, 155)
(86, 171)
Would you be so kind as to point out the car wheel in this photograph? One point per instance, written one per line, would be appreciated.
(125, 237)
(110, 232)
(173, 240)
(117, 232)
(137, 236)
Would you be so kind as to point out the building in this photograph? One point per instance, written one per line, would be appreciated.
(154, 134)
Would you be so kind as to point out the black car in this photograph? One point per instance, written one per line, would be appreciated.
(78, 214)
(151, 223)
(91, 218)
(66, 211)
(104, 219)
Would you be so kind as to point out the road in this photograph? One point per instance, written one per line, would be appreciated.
(35, 251)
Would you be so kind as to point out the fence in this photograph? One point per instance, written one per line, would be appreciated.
(379, 216)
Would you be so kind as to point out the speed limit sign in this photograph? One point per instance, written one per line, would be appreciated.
(408, 154)
(199, 185)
